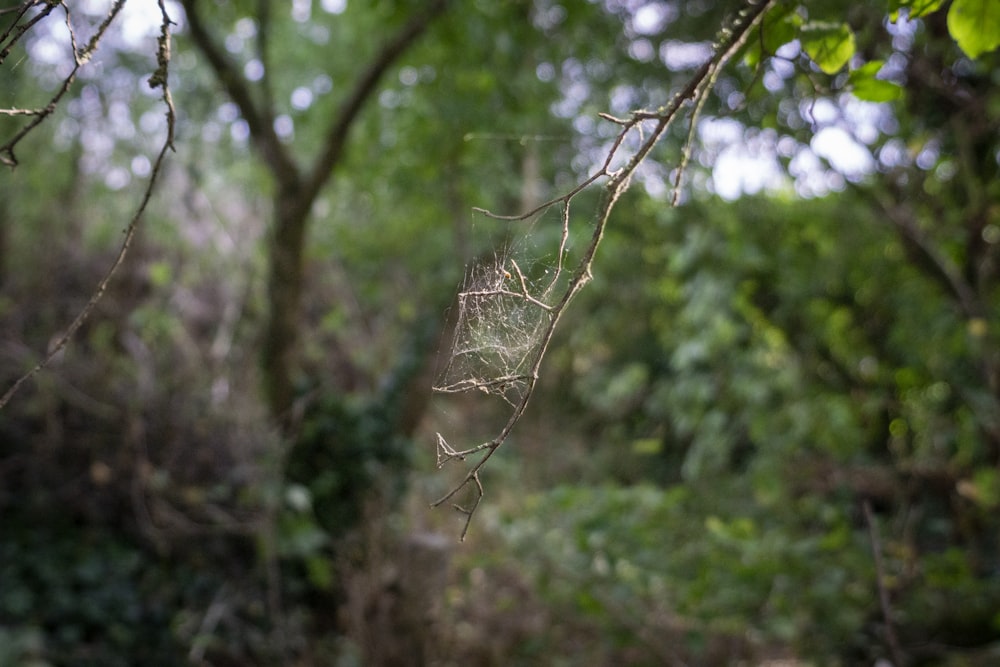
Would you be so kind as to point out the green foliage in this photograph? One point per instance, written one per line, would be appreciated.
(780, 26)
(300, 538)
(865, 86)
(352, 450)
(734, 383)
(830, 45)
(975, 25)
(915, 8)
(662, 569)
(83, 597)
(782, 361)
(346, 455)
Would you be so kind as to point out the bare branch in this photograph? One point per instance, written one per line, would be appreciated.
(364, 87)
(259, 117)
(617, 182)
(158, 79)
(80, 57)
(14, 34)
(84, 56)
(23, 112)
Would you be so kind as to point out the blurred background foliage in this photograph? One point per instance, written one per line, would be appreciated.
(775, 402)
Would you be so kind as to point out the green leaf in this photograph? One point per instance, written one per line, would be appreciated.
(975, 25)
(865, 86)
(915, 8)
(779, 27)
(781, 32)
(830, 45)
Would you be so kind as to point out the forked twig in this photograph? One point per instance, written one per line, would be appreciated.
(80, 58)
(731, 39)
(17, 30)
(157, 80)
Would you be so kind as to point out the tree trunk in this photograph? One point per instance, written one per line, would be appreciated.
(297, 188)
(284, 296)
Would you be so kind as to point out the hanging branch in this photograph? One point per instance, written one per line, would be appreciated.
(80, 57)
(16, 31)
(157, 80)
(731, 39)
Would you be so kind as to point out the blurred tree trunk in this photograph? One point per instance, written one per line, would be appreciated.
(297, 186)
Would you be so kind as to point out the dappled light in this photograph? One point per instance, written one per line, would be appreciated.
(619, 332)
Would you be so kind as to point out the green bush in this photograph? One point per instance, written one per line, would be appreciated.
(695, 570)
(82, 596)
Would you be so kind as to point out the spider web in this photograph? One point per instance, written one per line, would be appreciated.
(503, 312)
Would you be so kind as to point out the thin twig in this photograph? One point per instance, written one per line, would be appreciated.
(80, 58)
(617, 183)
(158, 79)
(15, 35)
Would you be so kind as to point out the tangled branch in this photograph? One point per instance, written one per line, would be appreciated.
(157, 80)
(552, 305)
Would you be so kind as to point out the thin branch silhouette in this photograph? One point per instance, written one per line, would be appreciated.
(731, 39)
(157, 80)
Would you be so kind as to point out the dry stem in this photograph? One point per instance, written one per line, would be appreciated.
(696, 90)
(157, 80)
